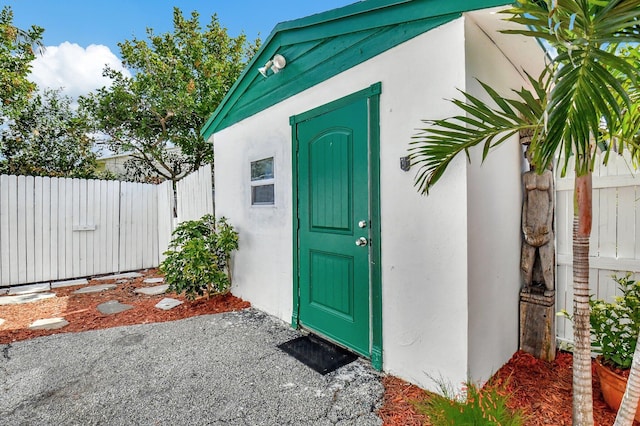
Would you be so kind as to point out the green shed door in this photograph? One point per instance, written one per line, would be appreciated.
(333, 209)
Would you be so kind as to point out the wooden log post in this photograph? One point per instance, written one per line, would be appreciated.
(537, 325)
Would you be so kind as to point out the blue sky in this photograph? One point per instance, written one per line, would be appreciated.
(107, 22)
(82, 35)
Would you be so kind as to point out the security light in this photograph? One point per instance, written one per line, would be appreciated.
(276, 64)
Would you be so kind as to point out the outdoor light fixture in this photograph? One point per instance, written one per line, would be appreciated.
(276, 64)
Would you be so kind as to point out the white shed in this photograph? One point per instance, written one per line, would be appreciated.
(334, 237)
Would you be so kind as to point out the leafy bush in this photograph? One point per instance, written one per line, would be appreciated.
(486, 406)
(197, 261)
(615, 325)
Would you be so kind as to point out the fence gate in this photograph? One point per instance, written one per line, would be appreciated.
(56, 228)
(615, 236)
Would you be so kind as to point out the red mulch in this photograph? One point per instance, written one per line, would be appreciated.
(541, 389)
(80, 310)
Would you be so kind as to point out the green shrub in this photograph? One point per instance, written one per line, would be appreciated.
(197, 261)
(487, 406)
(615, 325)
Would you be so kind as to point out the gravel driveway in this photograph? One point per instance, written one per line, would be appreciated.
(222, 369)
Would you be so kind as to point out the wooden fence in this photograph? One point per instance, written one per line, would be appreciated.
(55, 229)
(193, 199)
(194, 195)
(615, 237)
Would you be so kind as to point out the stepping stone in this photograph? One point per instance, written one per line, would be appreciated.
(4, 291)
(32, 288)
(153, 280)
(168, 303)
(118, 276)
(49, 324)
(2, 321)
(152, 291)
(95, 288)
(25, 298)
(113, 307)
(69, 283)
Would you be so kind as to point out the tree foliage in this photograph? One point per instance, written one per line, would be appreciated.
(178, 79)
(16, 54)
(48, 137)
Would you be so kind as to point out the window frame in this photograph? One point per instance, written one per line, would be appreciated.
(262, 182)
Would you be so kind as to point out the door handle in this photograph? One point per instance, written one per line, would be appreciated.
(361, 242)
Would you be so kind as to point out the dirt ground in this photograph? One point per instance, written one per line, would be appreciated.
(541, 389)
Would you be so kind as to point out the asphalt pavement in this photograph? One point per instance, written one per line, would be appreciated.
(222, 369)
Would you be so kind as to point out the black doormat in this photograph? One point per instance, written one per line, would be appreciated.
(318, 354)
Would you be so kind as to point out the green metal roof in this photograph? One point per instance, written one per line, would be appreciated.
(321, 46)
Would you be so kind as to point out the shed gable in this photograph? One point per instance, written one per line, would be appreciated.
(321, 46)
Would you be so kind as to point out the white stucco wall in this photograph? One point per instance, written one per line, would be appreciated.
(494, 201)
(449, 260)
(262, 266)
(424, 251)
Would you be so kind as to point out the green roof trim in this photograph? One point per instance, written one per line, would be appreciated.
(321, 46)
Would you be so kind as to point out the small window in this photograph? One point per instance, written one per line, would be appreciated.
(262, 182)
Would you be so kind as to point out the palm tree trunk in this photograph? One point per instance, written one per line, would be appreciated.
(629, 405)
(582, 388)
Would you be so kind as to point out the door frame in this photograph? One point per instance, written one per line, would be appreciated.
(372, 93)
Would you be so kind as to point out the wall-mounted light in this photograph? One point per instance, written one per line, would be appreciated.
(276, 64)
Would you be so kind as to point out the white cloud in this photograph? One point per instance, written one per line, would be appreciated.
(76, 69)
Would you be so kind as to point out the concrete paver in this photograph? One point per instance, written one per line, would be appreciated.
(25, 298)
(95, 288)
(153, 280)
(118, 276)
(30, 288)
(49, 324)
(168, 303)
(69, 283)
(152, 291)
(113, 307)
(222, 369)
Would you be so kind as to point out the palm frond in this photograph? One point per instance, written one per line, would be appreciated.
(435, 146)
(584, 85)
(588, 78)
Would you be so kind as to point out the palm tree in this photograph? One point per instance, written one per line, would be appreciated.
(584, 87)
